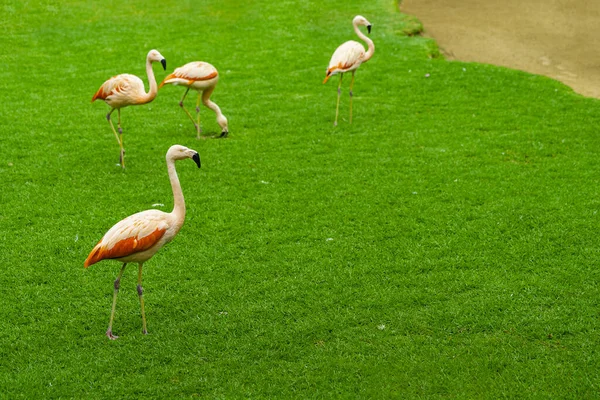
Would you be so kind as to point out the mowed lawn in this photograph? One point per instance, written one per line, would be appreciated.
(443, 245)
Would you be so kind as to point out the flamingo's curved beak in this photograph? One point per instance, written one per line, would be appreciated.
(196, 158)
(369, 28)
(164, 64)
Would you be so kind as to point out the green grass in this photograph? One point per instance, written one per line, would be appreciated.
(443, 245)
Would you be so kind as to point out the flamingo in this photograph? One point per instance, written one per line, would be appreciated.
(127, 90)
(138, 237)
(202, 77)
(348, 57)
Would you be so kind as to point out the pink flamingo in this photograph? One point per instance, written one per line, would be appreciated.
(138, 237)
(348, 57)
(128, 90)
(202, 77)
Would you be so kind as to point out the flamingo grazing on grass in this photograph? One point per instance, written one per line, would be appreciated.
(202, 77)
(138, 237)
(348, 57)
(128, 90)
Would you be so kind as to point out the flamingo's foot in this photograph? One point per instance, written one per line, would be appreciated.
(144, 331)
(334, 123)
(110, 335)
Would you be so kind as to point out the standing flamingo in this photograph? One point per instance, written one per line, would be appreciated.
(127, 90)
(202, 77)
(348, 57)
(138, 237)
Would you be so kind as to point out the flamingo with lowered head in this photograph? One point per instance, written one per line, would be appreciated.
(128, 90)
(202, 77)
(348, 57)
(138, 237)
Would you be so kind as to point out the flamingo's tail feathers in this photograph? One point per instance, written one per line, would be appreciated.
(94, 256)
(99, 94)
(124, 247)
(170, 76)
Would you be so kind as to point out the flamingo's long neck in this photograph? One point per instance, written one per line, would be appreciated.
(221, 119)
(370, 44)
(178, 200)
(148, 97)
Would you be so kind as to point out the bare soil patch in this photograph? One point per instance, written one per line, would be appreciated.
(556, 38)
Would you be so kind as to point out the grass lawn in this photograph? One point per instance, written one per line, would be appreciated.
(443, 245)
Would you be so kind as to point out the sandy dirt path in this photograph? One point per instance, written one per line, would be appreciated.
(556, 38)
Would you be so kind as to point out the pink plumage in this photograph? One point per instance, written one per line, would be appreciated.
(134, 239)
(138, 237)
(348, 57)
(202, 77)
(127, 90)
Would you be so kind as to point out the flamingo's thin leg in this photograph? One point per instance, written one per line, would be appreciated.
(117, 136)
(351, 95)
(337, 107)
(109, 333)
(122, 156)
(188, 113)
(140, 291)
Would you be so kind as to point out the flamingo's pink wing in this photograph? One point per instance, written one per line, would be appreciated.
(134, 234)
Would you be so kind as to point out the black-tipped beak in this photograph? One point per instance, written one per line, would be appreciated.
(196, 158)
(369, 29)
(164, 64)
